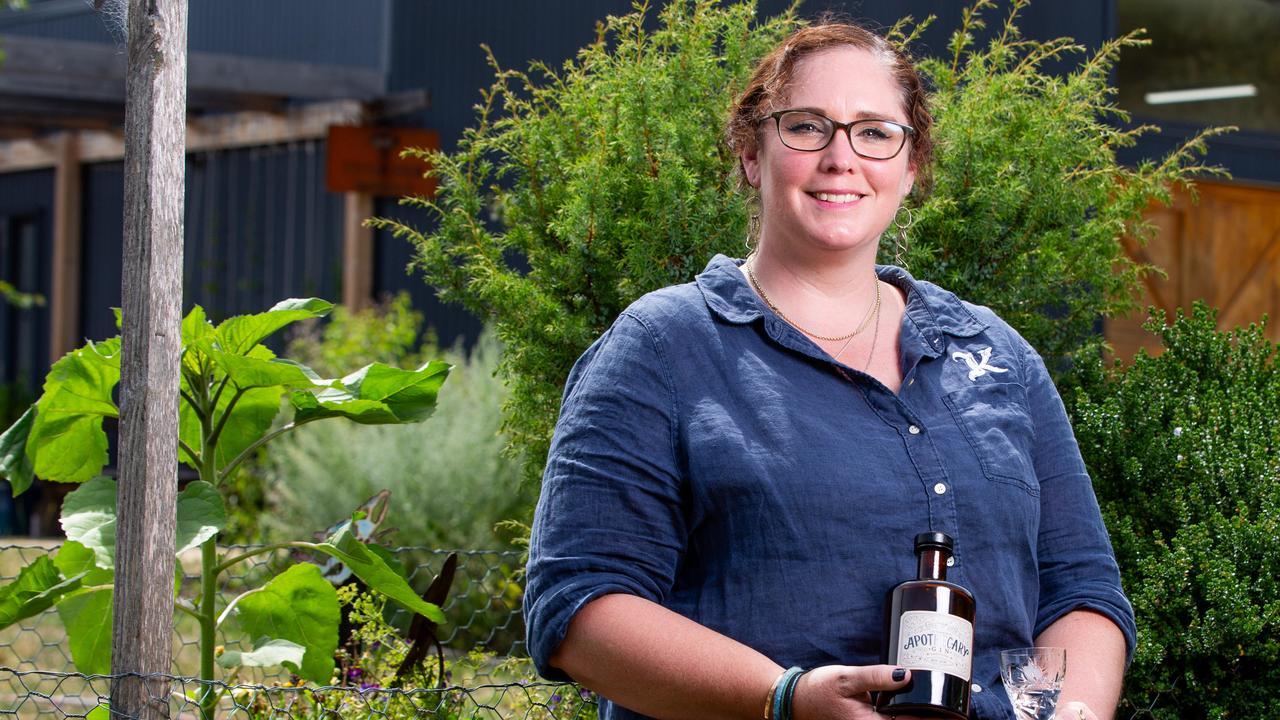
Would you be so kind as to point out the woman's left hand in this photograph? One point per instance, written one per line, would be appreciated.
(1075, 710)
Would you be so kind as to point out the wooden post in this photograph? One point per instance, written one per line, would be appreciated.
(64, 301)
(357, 251)
(155, 136)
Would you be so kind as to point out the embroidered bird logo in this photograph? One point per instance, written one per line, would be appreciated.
(979, 367)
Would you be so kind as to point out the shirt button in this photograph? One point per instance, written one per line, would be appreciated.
(940, 488)
(912, 381)
(977, 688)
(913, 429)
(951, 562)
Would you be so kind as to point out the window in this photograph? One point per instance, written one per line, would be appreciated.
(1209, 63)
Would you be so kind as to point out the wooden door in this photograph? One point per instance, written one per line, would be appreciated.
(1224, 249)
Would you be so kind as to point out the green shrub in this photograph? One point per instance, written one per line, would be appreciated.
(610, 179)
(1184, 449)
(1030, 205)
(449, 484)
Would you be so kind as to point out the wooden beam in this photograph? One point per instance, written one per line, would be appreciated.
(213, 132)
(357, 251)
(154, 167)
(64, 303)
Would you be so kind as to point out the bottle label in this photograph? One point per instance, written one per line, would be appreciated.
(935, 641)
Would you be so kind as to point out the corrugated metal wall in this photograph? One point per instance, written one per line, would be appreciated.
(260, 227)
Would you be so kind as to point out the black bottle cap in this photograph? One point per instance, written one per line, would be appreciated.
(934, 540)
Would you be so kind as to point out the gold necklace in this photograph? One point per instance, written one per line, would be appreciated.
(873, 310)
(875, 337)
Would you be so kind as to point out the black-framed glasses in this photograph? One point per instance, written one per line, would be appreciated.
(809, 131)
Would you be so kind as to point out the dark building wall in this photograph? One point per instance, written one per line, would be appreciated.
(339, 32)
(26, 249)
(259, 227)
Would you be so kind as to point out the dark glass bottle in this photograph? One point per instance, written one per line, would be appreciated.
(930, 632)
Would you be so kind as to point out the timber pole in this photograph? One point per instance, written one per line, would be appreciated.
(154, 162)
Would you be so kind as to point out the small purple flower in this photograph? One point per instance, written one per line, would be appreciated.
(355, 673)
(555, 700)
(370, 686)
(584, 694)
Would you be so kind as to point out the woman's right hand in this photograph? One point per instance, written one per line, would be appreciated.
(843, 692)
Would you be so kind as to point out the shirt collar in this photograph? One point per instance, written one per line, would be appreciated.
(931, 309)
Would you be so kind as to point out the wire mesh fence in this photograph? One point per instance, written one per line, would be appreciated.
(483, 671)
(58, 695)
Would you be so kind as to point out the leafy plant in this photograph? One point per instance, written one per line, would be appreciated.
(369, 682)
(233, 390)
(1184, 449)
(608, 178)
(1030, 204)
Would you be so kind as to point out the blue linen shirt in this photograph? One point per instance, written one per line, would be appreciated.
(712, 459)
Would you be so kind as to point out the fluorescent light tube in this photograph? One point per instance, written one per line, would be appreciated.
(1222, 92)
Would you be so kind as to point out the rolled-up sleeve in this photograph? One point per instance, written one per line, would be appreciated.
(609, 518)
(1078, 569)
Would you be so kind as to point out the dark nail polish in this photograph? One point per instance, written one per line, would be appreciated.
(899, 675)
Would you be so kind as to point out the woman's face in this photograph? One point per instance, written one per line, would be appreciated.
(831, 199)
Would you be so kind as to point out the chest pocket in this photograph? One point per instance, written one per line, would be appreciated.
(995, 420)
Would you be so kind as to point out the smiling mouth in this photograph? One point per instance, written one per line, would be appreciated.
(838, 198)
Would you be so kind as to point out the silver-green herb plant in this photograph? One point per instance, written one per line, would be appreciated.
(236, 397)
(450, 482)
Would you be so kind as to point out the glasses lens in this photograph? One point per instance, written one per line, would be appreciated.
(877, 139)
(804, 130)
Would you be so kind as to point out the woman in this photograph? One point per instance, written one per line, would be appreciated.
(741, 462)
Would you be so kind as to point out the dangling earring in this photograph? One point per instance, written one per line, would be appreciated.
(900, 242)
(753, 233)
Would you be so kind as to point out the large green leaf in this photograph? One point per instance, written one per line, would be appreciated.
(66, 439)
(37, 587)
(266, 653)
(74, 559)
(195, 326)
(89, 518)
(15, 462)
(300, 606)
(239, 334)
(375, 572)
(249, 372)
(87, 617)
(376, 394)
(201, 514)
(196, 330)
